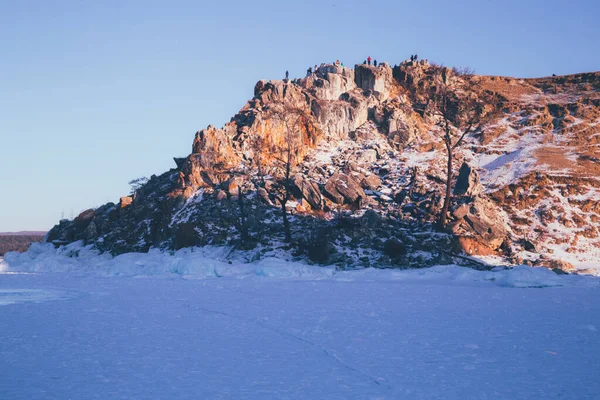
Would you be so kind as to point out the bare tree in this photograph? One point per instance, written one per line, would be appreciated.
(251, 170)
(137, 183)
(458, 106)
(293, 120)
(258, 147)
(243, 216)
(245, 173)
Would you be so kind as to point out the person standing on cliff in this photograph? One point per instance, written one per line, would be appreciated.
(374, 63)
(287, 75)
(369, 60)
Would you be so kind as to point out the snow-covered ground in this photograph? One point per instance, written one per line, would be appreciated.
(193, 326)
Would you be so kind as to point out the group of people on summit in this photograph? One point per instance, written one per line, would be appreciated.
(310, 70)
(367, 61)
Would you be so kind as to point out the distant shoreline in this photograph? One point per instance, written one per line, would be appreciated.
(24, 233)
(19, 241)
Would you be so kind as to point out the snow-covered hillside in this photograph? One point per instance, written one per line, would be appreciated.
(194, 326)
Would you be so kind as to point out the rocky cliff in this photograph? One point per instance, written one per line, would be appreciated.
(366, 176)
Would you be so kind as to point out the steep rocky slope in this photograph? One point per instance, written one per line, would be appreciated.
(367, 169)
(541, 164)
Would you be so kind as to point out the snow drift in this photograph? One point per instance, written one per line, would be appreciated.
(212, 262)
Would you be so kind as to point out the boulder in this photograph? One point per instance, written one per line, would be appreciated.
(91, 231)
(467, 183)
(232, 186)
(357, 176)
(555, 265)
(472, 246)
(342, 188)
(479, 219)
(528, 245)
(460, 211)
(83, 219)
(103, 211)
(125, 201)
(367, 156)
(394, 248)
(221, 195)
(371, 182)
(485, 223)
(330, 190)
(308, 190)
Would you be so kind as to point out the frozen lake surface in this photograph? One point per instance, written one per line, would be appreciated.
(441, 333)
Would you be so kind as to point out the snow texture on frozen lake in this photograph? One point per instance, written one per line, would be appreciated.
(15, 295)
(445, 332)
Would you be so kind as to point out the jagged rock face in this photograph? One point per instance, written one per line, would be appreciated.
(400, 123)
(339, 118)
(366, 144)
(215, 147)
(375, 79)
(333, 100)
(329, 82)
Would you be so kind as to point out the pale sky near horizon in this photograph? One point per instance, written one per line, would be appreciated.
(94, 94)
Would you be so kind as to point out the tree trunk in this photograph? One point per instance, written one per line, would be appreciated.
(444, 213)
(243, 219)
(286, 222)
(413, 182)
(288, 168)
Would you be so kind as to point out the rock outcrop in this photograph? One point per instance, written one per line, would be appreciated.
(480, 219)
(374, 79)
(467, 183)
(309, 190)
(344, 189)
(367, 174)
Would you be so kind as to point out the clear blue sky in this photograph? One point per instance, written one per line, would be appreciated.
(94, 94)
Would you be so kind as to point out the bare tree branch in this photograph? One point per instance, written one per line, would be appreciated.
(294, 120)
(459, 110)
